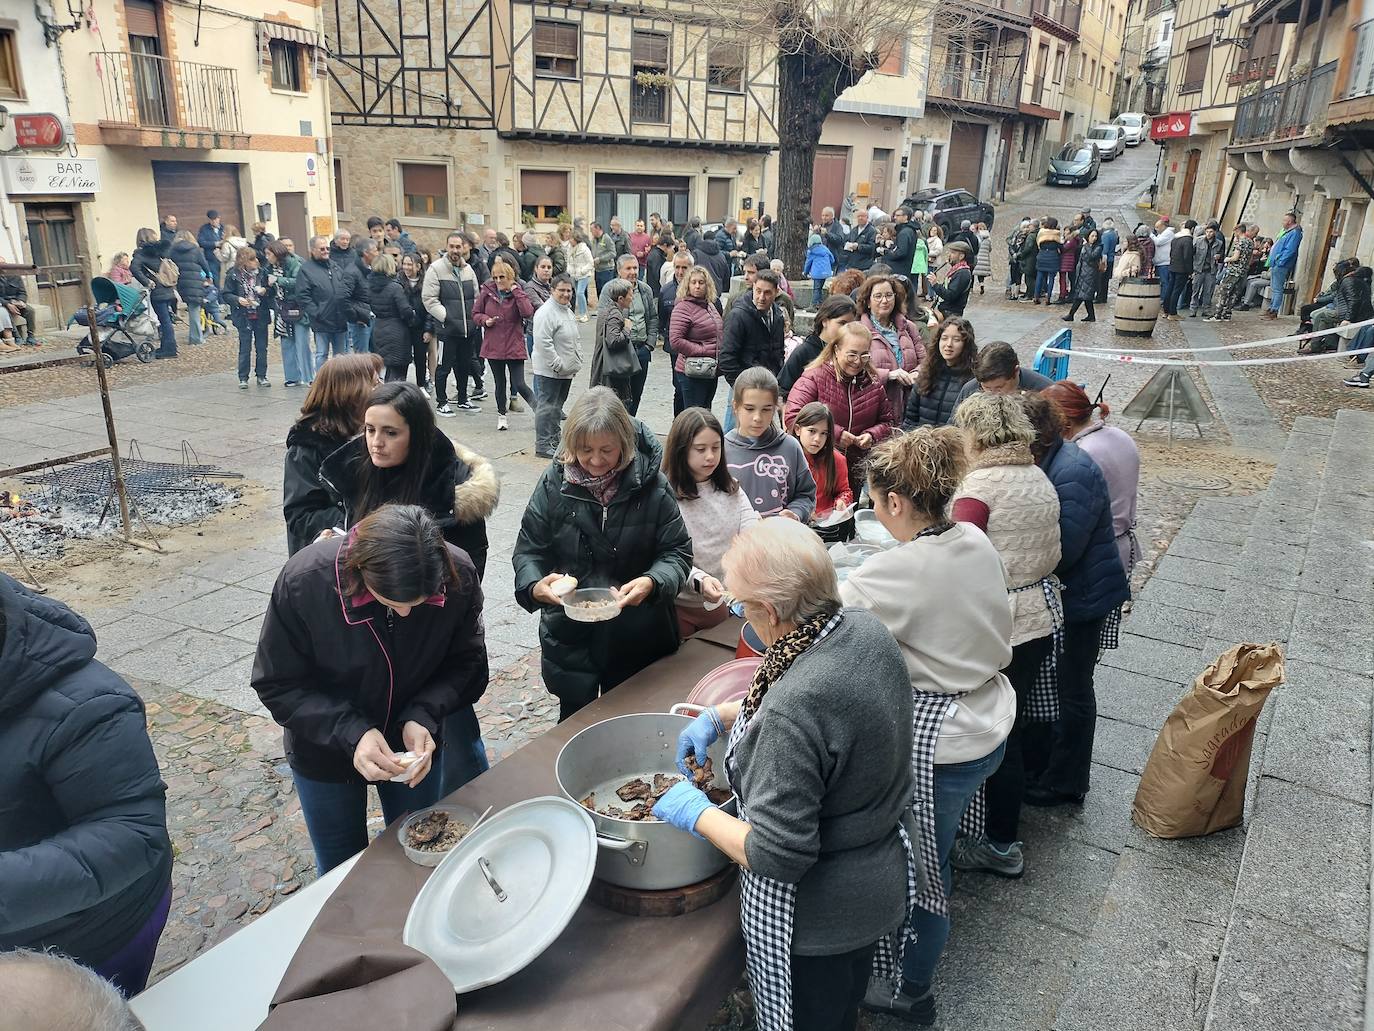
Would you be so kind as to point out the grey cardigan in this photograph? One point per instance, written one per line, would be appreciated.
(824, 771)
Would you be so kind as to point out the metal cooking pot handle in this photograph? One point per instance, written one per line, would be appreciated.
(687, 709)
(631, 850)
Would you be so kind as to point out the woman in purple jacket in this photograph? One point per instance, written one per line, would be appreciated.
(501, 308)
(695, 332)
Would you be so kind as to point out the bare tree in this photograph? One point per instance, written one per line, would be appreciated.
(824, 47)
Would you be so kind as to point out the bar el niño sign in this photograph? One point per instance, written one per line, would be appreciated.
(35, 176)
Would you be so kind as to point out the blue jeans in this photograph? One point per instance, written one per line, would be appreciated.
(336, 814)
(1166, 289)
(729, 423)
(464, 755)
(817, 290)
(163, 311)
(253, 345)
(297, 361)
(697, 393)
(580, 286)
(955, 786)
(1278, 282)
(194, 335)
(327, 339)
(1044, 283)
(360, 337)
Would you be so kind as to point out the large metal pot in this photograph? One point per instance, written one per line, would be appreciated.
(630, 853)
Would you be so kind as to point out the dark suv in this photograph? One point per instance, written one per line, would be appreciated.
(949, 208)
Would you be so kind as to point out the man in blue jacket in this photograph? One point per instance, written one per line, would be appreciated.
(1283, 260)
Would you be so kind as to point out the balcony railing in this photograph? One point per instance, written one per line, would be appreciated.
(1062, 12)
(966, 87)
(1288, 110)
(153, 92)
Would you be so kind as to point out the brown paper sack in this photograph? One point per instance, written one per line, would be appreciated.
(1194, 782)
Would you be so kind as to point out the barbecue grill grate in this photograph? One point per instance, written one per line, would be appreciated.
(94, 480)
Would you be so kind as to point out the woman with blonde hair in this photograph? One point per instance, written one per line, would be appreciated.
(694, 338)
(955, 640)
(1006, 495)
(580, 266)
(842, 379)
(603, 514)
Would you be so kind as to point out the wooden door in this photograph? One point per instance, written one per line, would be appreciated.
(964, 169)
(878, 176)
(1328, 237)
(291, 220)
(188, 189)
(829, 180)
(1185, 197)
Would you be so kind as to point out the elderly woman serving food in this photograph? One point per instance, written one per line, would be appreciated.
(823, 788)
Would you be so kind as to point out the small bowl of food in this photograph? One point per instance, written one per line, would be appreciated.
(430, 834)
(591, 605)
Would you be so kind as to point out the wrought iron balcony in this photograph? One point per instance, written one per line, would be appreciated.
(146, 91)
(962, 87)
(1287, 111)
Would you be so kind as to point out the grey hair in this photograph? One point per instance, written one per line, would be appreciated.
(315, 240)
(992, 420)
(783, 563)
(341, 234)
(616, 289)
(624, 260)
(597, 411)
(46, 989)
(529, 240)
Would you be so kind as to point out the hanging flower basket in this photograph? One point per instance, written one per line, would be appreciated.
(653, 80)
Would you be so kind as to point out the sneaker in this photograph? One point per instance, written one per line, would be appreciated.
(425, 393)
(1356, 381)
(970, 853)
(918, 1010)
(515, 405)
(291, 383)
(243, 384)
(1212, 318)
(445, 409)
(468, 408)
(501, 423)
(478, 395)
(1243, 307)
(30, 342)
(263, 382)
(582, 318)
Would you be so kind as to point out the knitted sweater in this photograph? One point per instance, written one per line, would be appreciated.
(1023, 524)
(714, 518)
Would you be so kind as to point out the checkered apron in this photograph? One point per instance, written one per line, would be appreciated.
(1042, 706)
(768, 907)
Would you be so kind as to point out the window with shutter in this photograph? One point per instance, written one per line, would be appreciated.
(11, 85)
(424, 190)
(1195, 66)
(725, 71)
(556, 48)
(543, 194)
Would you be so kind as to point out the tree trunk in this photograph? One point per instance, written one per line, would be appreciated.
(809, 83)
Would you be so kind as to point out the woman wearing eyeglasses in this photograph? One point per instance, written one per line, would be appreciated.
(842, 379)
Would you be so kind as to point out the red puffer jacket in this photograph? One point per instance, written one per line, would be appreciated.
(885, 361)
(859, 406)
(504, 339)
(1068, 257)
(694, 331)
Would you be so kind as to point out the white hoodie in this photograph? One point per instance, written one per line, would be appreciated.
(944, 598)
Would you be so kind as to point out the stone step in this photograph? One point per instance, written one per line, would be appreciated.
(1181, 920)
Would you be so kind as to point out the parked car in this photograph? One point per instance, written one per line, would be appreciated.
(949, 208)
(1110, 140)
(1074, 164)
(1137, 126)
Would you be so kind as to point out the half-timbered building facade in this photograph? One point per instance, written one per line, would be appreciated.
(493, 112)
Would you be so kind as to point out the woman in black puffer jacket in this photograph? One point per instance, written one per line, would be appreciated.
(412, 279)
(395, 316)
(146, 261)
(948, 366)
(194, 271)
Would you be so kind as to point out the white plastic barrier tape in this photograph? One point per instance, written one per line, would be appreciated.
(1248, 345)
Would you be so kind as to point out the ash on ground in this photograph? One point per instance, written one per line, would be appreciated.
(43, 527)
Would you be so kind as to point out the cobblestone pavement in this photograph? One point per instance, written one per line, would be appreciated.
(182, 626)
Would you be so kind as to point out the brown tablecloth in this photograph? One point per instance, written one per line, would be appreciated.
(606, 970)
(724, 634)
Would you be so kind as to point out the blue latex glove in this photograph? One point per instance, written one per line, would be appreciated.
(682, 806)
(696, 738)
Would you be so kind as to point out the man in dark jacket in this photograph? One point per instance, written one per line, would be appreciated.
(209, 237)
(85, 861)
(863, 244)
(967, 237)
(904, 248)
(449, 290)
(754, 332)
(341, 250)
(14, 297)
(168, 226)
(642, 318)
(398, 237)
(953, 294)
(332, 295)
(619, 237)
(708, 255)
(144, 266)
(1180, 270)
(660, 254)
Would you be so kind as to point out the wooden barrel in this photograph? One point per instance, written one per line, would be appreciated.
(1137, 307)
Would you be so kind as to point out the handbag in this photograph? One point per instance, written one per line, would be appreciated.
(699, 368)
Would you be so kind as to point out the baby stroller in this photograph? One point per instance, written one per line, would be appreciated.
(123, 322)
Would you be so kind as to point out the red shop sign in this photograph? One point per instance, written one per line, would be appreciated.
(1171, 126)
(38, 131)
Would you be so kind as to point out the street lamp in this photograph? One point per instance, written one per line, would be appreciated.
(1221, 14)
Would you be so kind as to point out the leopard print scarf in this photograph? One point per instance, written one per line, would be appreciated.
(780, 655)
